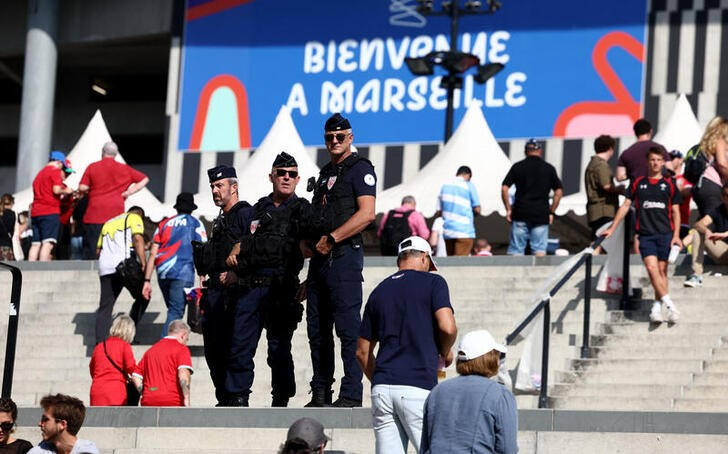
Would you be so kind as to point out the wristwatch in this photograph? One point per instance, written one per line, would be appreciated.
(330, 239)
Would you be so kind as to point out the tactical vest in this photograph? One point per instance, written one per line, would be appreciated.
(222, 239)
(340, 203)
(271, 241)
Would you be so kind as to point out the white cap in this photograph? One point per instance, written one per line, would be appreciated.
(477, 343)
(417, 243)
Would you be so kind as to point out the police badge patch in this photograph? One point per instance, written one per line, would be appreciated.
(254, 225)
(330, 183)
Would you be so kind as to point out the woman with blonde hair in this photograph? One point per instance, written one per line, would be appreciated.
(7, 227)
(472, 413)
(108, 385)
(707, 191)
(714, 145)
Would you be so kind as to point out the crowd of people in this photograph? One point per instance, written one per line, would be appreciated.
(250, 264)
(661, 185)
(251, 261)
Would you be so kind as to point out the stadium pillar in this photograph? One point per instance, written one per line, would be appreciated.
(39, 84)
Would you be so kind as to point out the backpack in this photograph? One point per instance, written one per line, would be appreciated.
(695, 164)
(394, 231)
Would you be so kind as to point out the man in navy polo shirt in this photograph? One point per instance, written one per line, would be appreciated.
(657, 202)
(410, 315)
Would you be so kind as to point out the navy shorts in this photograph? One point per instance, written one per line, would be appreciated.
(658, 245)
(46, 228)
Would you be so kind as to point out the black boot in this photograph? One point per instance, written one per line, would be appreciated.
(238, 401)
(279, 402)
(320, 398)
(345, 402)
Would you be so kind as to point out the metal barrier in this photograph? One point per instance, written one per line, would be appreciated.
(545, 305)
(12, 334)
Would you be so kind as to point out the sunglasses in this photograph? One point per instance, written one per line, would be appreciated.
(283, 172)
(45, 418)
(340, 137)
(6, 426)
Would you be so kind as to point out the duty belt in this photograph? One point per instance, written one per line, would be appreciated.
(255, 281)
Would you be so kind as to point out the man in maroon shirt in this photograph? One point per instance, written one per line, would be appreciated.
(632, 163)
(48, 188)
(108, 183)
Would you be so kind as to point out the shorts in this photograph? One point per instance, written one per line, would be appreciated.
(658, 245)
(46, 228)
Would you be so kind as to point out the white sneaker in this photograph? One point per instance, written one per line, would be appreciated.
(673, 315)
(656, 313)
(693, 281)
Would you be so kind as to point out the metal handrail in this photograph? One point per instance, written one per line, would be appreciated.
(12, 335)
(545, 305)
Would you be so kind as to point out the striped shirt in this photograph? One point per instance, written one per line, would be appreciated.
(456, 202)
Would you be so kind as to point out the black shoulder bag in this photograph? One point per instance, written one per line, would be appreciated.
(130, 270)
(132, 393)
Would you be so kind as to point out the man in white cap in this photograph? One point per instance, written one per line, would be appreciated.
(410, 316)
(472, 413)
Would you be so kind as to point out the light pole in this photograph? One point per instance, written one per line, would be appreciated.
(455, 62)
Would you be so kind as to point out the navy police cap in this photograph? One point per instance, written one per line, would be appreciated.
(220, 172)
(337, 123)
(284, 160)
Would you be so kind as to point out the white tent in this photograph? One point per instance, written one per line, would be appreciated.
(574, 202)
(681, 130)
(253, 177)
(472, 145)
(88, 150)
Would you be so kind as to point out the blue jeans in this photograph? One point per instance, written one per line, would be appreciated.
(76, 247)
(397, 412)
(175, 298)
(523, 232)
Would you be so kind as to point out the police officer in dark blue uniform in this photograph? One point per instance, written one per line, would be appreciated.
(343, 205)
(221, 287)
(269, 262)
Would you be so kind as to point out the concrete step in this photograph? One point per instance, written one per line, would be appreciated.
(638, 351)
(613, 403)
(637, 365)
(611, 377)
(613, 390)
(707, 404)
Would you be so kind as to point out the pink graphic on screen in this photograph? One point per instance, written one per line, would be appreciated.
(592, 118)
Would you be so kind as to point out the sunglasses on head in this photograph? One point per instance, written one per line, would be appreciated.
(6, 426)
(283, 172)
(339, 136)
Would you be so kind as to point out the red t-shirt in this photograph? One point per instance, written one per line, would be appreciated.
(67, 206)
(106, 180)
(44, 201)
(108, 385)
(685, 205)
(158, 369)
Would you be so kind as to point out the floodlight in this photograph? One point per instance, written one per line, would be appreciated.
(420, 66)
(487, 71)
(473, 5)
(425, 6)
(460, 61)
